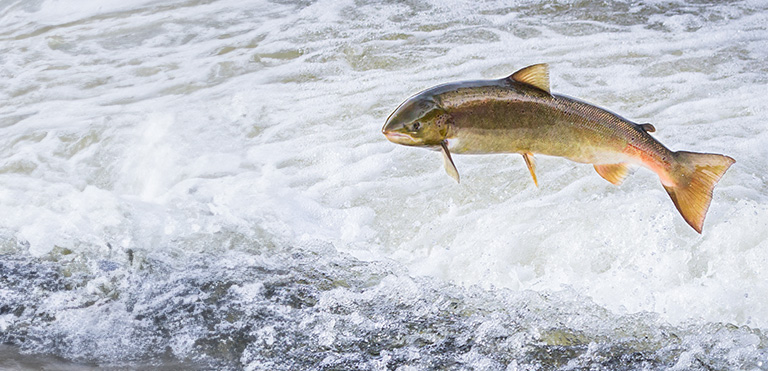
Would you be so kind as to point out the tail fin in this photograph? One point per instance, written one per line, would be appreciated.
(696, 175)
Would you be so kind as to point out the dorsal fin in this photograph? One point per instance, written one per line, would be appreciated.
(536, 75)
(648, 127)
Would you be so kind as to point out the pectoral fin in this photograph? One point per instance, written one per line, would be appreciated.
(614, 173)
(450, 168)
(531, 162)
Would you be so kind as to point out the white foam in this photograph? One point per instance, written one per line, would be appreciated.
(165, 128)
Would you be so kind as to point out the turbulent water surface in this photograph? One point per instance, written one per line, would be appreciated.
(204, 184)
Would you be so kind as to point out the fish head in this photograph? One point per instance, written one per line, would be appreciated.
(419, 121)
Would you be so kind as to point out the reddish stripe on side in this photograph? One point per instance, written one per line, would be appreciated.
(660, 166)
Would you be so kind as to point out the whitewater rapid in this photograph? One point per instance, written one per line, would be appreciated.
(205, 183)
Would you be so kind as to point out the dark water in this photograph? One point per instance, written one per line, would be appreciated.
(323, 310)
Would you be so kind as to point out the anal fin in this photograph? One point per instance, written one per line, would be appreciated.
(614, 173)
(531, 163)
(450, 168)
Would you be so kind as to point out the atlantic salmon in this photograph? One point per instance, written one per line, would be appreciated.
(519, 114)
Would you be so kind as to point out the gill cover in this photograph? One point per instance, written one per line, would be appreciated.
(419, 121)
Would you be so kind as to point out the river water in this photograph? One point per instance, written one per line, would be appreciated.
(204, 184)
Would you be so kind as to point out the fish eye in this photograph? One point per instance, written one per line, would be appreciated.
(416, 126)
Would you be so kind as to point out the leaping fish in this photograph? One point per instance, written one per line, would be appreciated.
(519, 114)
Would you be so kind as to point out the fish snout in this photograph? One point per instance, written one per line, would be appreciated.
(399, 138)
(395, 133)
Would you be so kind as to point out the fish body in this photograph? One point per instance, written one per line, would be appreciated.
(519, 114)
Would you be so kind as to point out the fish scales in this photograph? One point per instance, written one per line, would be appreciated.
(513, 118)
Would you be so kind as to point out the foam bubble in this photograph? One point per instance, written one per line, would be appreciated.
(146, 141)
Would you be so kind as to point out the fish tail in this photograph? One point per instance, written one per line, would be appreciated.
(695, 176)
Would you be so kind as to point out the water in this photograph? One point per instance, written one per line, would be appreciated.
(204, 184)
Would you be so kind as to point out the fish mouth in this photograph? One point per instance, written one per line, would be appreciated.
(399, 138)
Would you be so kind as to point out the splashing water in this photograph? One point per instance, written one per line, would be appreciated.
(204, 184)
